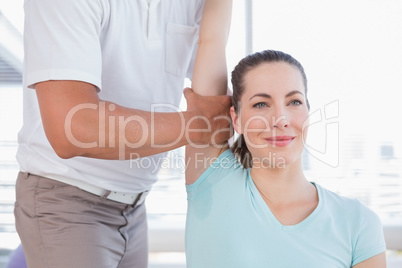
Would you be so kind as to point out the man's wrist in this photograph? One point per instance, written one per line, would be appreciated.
(197, 128)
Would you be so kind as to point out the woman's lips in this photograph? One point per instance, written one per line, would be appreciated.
(280, 141)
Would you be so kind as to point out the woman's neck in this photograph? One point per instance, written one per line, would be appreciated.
(282, 185)
(287, 193)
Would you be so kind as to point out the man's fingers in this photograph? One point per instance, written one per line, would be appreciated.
(187, 91)
(228, 100)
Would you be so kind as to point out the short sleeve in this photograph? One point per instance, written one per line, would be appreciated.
(225, 165)
(370, 237)
(62, 41)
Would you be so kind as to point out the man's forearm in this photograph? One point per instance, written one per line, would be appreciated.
(108, 131)
(78, 123)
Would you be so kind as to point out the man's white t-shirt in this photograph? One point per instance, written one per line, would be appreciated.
(136, 52)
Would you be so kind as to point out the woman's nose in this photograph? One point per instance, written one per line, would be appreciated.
(280, 120)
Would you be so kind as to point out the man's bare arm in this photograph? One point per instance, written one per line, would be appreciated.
(78, 123)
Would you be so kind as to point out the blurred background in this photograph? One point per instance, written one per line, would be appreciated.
(351, 52)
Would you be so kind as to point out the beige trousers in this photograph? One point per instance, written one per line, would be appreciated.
(65, 227)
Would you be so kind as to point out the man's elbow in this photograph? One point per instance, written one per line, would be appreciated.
(67, 147)
(68, 143)
(63, 149)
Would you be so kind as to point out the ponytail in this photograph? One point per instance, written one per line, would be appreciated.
(240, 150)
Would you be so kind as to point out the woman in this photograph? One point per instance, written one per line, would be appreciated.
(251, 205)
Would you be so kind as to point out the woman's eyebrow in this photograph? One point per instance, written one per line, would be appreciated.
(291, 93)
(265, 95)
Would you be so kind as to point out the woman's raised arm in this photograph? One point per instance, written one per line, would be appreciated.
(209, 77)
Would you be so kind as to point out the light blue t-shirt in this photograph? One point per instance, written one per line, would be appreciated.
(230, 225)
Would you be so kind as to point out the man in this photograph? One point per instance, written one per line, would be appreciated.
(102, 84)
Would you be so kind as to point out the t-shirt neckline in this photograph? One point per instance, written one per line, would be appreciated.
(269, 213)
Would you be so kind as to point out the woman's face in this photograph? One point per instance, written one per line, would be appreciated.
(273, 114)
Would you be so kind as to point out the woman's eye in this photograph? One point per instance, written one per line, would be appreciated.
(260, 105)
(295, 103)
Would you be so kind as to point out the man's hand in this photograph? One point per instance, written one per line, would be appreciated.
(211, 123)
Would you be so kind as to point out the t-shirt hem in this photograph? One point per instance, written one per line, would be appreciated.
(368, 255)
(61, 74)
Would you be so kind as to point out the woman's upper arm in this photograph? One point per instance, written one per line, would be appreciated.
(377, 261)
(209, 76)
(210, 72)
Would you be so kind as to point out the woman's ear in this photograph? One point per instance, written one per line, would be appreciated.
(235, 120)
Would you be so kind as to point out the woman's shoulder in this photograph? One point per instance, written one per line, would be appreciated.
(356, 222)
(220, 169)
(346, 207)
(226, 159)
(225, 163)
(336, 199)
